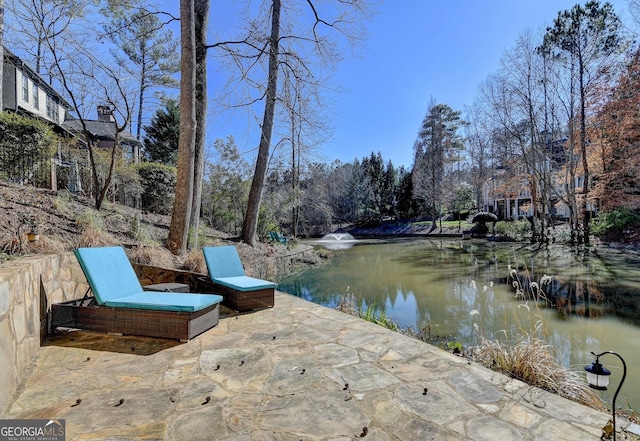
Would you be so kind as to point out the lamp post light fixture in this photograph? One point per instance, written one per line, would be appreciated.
(598, 378)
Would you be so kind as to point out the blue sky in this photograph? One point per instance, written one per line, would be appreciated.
(417, 49)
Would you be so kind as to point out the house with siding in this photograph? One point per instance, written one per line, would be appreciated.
(507, 193)
(24, 91)
(102, 133)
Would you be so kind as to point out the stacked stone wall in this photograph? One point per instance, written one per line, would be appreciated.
(28, 286)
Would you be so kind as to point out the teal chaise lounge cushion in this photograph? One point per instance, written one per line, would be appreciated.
(225, 268)
(240, 292)
(115, 284)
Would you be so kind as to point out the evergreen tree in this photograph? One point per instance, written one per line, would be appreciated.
(161, 135)
(437, 139)
(150, 51)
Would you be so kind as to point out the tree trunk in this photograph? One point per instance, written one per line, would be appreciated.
(201, 9)
(583, 151)
(250, 224)
(141, 90)
(179, 227)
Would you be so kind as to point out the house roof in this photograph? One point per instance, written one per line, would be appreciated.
(35, 77)
(101, 130)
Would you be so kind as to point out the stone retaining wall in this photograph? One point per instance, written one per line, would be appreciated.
(27, 286)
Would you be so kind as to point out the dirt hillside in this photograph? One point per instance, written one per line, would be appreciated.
(66, 221)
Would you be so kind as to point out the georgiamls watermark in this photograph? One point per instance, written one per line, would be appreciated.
(32, 430)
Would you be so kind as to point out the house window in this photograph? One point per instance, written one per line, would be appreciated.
(25, 88)
(52, 109)
(36, 96)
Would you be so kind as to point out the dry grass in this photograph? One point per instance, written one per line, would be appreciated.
(47, 245)
(194, 262)
(531, 360)
(347, 304)
(12, 244)
(92, 237)
(152, 255)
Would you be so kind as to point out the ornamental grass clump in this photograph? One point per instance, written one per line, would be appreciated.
(152, 255)
(527, 357)
(532, 361)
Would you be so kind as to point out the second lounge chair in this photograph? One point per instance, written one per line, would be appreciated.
(240, 292)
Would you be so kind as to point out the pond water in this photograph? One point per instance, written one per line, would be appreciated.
(457, 289)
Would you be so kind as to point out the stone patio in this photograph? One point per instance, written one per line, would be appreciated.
(298, 371)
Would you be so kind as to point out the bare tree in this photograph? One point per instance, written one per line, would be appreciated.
(260, 56)
(590, 35)
(201, 10)
(87, 79)
(257, 185)
(478, 143)
(306, 127)
(34, 22)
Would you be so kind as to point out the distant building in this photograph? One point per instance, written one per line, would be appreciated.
(507, 193)
(24, 91)
(103, 132)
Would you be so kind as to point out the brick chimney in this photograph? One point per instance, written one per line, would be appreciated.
(105, 114)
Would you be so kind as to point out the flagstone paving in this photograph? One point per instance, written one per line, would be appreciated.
(297, 371)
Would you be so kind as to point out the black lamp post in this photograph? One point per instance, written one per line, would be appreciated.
(598, 378)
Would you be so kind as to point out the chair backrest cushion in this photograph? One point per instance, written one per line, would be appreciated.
(108, 272)
(223, 261)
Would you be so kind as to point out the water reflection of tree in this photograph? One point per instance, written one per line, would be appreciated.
(407, 274)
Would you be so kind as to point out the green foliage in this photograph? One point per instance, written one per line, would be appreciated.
(91, 220)
(465, 197)
(225, 193)
(588, 31)
(515, 229)
(614, 221)
(162, 134)
(378, 315)
(26, 145)
(147, 49)
(128, 184)
(454, 346)
(158, 183)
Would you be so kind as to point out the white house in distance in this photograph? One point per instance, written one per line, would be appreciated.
(507, 193)
(26, 92)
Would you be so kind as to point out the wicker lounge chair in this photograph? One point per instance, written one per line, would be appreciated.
(240, 292)
(120, 305)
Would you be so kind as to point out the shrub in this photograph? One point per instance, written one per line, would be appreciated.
(532, 361)
(615, 221)
(515, 229)
(194, 262)
(26, 146)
